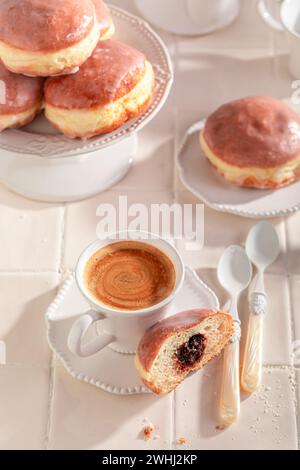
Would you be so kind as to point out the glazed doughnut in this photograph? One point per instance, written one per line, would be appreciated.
(105, 21)
(113, 86)
(46, 37)
(20, 98)
(179, 345)
(254, 142)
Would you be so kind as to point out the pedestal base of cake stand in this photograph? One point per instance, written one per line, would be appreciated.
(67, 178)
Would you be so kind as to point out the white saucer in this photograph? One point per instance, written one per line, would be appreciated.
(199, 176)
(108, 370)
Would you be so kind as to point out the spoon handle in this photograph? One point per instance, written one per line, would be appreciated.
(230, 388)
(252, 363)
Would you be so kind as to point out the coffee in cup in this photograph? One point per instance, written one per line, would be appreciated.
(129, 275)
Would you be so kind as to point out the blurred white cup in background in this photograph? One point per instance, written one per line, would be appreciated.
(289, 23)
(189, 17)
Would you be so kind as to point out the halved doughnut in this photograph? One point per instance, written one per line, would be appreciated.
(181, 344)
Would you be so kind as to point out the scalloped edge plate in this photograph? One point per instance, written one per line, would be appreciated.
(110, 371)
(198, 175)
(38, 139)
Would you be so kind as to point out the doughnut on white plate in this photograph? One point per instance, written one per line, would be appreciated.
(199, 176)
(109, 370)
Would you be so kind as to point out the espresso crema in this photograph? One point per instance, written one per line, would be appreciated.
(130, 275)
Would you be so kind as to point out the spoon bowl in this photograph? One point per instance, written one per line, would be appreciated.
(262, 245)
(235, 270)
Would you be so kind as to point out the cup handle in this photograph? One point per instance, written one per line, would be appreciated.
(267, 17)
(78, 330)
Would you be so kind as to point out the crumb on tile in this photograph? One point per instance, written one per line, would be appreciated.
(221, 427)
(148, 432)
(181, 441)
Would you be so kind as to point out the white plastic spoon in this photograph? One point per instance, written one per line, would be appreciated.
(262, 248)
(234, 274)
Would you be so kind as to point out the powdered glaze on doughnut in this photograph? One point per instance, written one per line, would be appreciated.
(18, 93)
(45, 25)
(103, 15)
(109, 74)
(260, 132)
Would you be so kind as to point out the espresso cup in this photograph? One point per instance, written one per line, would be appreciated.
(290, 24)
(121, 330)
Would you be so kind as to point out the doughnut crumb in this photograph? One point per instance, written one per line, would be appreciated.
(181, 441)
(148, 432)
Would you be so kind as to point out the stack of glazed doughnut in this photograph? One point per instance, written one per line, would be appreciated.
(59, 55)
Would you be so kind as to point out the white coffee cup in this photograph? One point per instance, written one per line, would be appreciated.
(189, 17)
(120, 330)
(290, 23)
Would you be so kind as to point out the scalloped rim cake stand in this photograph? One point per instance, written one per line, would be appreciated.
(199, 176)
(108, 370)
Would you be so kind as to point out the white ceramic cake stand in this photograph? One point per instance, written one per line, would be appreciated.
(38, 162)
(109, 370)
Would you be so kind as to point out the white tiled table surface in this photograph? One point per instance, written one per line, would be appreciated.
(41, 406)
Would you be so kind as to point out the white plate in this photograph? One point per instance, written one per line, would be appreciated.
(180, 20)
(201, 178)
(108, 370)
(40, 138)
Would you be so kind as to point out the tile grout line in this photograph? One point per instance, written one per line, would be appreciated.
(50, 402)
(63, 235)
(277, 367)
(51, 366)
(175, 122)
(52, 363)
(293, 334)
(173, 422)
(27, 272)
(67, 269)
(175, 147)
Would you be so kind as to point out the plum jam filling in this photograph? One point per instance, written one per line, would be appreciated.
(192, 351)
